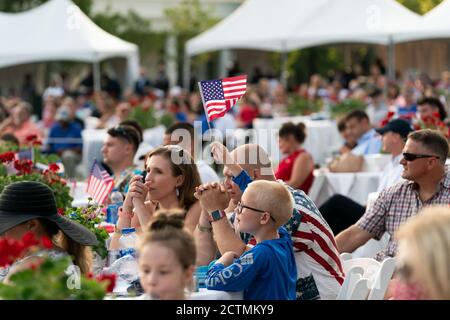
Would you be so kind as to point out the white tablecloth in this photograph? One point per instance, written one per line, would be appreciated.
(202, 294)
(79, 194)
(322, 137)
(93, 142)
(356, 186)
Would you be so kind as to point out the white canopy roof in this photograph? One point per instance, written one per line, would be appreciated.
(285, 25)
(434, 25)
(59, 30)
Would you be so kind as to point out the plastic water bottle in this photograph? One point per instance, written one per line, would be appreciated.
(113, 208)
(127, 242)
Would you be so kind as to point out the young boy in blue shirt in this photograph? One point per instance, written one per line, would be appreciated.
(267, 271)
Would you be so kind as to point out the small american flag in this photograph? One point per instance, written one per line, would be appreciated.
(100, 183)
(221, 95)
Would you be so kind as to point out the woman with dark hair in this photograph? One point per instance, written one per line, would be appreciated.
(170, 183)
(296, 169)
(29, 206)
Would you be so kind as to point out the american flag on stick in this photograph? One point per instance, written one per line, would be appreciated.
(100, 183)
(221, 95)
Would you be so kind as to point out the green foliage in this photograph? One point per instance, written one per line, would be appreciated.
(131, 27)
(90, 217)
(186, 21)
(148, 118)
(420, 6)
(23, 5)
(145, 117)
(167, 120)
(302, 63)
(47, 158)
(50, 282)
(301, 106)
(58, 185)
(346, 106)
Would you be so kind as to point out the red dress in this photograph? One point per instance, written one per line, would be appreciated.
(284, 171)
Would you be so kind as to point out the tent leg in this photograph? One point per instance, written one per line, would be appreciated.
(96, 74)
(284, 72)
(391, 60)
(186, 71)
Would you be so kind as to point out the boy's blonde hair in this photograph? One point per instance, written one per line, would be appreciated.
(274, 198)
(167, 229)
(427, 235)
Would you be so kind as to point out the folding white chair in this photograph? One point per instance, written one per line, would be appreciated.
(354, 286)
(377, 275)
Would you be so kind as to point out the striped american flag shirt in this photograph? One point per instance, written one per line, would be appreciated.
(319, 267)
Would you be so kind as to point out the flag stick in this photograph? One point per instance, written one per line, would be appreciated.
(203, 102)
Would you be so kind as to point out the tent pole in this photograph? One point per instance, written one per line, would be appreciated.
(186, 71)
(96, 74)
(284, 72)
(391, 59)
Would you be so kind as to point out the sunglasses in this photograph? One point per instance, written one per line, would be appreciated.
(240, 206)
(412, 156)
(125, 133)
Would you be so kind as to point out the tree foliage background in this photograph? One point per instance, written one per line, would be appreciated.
(191, 17)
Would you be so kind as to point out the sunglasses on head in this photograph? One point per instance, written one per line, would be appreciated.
(413, 156)
(125, 133)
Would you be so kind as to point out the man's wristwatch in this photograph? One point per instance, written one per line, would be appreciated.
(216, 215)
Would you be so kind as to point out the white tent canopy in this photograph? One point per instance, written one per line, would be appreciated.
(59, 30)
(434, 25)
(285, 25)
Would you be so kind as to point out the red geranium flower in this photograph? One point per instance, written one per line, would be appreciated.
(23, 166)
(108, 277)
(53, 167)
(11, 249)
(46, 242)
(31, 137)
(7, 157)
(61, 211)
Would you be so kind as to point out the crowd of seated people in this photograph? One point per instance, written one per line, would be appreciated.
(257, 219)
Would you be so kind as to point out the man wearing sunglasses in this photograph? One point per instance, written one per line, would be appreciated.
(340, 211)
(428, 183)
(319, 268)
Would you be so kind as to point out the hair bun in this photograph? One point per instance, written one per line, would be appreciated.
(301, 126)
(162, 220)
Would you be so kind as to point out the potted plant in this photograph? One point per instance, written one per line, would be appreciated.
(52, 279)
(91, 217)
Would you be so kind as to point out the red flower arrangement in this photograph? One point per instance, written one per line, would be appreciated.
(24, 166)
(47, 279)
(7, 157)
(53, 167)
(106, 277)
(433, 122)
(33, 140)
(11, 249)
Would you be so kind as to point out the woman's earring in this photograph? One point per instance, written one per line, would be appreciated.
(177, 192)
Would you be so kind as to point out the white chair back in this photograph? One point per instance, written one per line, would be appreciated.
(382, 281)
(376, 274)
(372, 247)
